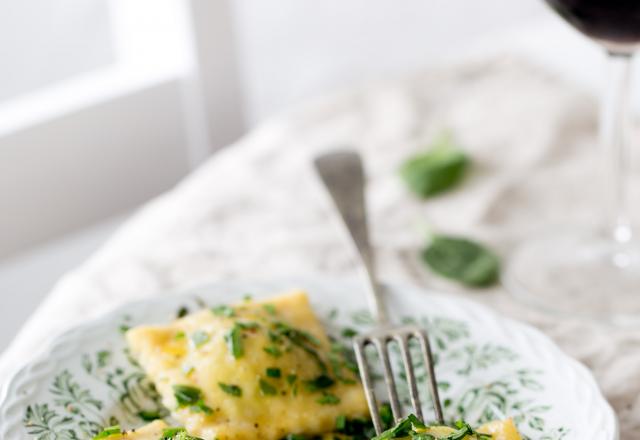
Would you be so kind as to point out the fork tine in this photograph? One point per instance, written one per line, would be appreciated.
(381, 339)
(382, 347)
(359, 346)
(423, 338)
(403, 341)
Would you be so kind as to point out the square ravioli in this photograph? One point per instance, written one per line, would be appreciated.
(152, 431)
(257, 370)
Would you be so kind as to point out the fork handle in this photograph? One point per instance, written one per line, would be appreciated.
(343, 175)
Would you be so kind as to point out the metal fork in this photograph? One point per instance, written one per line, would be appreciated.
(343, 175)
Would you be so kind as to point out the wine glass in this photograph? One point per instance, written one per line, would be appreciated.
(594, 273)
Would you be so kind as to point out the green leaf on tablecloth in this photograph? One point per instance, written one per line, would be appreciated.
(462, 260)
(437, 170)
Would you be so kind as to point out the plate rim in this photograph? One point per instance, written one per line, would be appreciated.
(107, 316)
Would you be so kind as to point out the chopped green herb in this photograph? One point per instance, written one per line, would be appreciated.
(270, 309)
(182, 312)
(177, 434)
(186, 395)
(412, 426)
(462, 260)
(328, 399)
(200, 406)
(180, 335)
(274, 372)
(386, 415)
(436, 171)
(291, 378)
(234, 342)
(319, 383)
(108, 432)
(273, 350)
(402, 429)
(274, 337)
(149, 415)
(200, 338)
(296, 334)
(247, 297)
(248, 325)
(302, 339)
(233, 390)
(225, 311)
(341, 422)
(171, 432)
(124, 328)
(296, 437)
(267, 389)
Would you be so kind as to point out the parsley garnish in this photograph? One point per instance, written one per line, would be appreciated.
(186, 395)
(234, 341)
(233, 390)
(148, 416)
(273, 350)
(341, 422)
(226, 311)
(319, 383)
(171, 432)
(177, 434)
(328, 399)
(273, 372)
(182, 312)
(108, 432)
(413, 427)
(200, 406)
(270, 309)
(267, 389)
(248, 325)
(302, 339)
(296, 437)
(179, 335)
(199, 338)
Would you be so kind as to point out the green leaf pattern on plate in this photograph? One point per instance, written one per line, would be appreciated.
(468, 385)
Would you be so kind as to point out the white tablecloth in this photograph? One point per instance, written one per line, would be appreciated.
(255, 209)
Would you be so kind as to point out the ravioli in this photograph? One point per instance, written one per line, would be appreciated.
(258, 370)
(499, 430)
(152, 431)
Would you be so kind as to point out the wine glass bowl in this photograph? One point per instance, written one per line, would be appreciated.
(613, 23)
(589, 272)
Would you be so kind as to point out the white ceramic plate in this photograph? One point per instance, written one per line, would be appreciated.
(488, 366)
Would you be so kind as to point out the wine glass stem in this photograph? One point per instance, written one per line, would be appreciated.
(615, 130)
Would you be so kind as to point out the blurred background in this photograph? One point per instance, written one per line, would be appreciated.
(105, 104)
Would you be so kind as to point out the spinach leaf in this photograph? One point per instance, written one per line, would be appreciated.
(436, 171)
(462, 260)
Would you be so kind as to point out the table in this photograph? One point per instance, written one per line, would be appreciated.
(255, 209)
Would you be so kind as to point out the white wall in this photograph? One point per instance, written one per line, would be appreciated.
(39, 42)
(293, 49)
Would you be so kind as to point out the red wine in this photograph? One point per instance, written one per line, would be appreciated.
(616, 21)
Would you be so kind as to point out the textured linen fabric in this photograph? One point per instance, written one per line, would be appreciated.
(256, 211)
